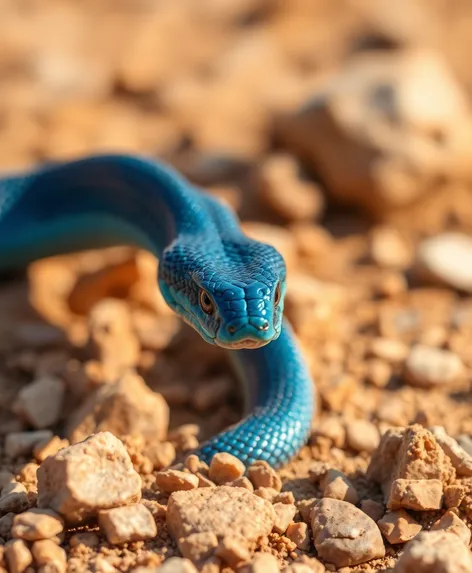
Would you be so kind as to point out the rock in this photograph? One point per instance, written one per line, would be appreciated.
(241, 482)
(262, 475)
(37, 524)
(362, 435)
(453, 495)
(49, 447)
(233, 551)
(421, 495)
(177, 565)
(125, 408)
(298, 533)
(435, 551)
(127, 523)
(18, 556)
(86, 477)
(333, 429)
(389, 249)
(22, 443)
(198, 547)
(225, 468)
(49, 556)
(427, 367)
(398, 526)
(40, 403)
(310, 565)
(169, 481)
(85, 538)
(161, 454)
(461, 460)
(373, 509)
(344, 535)
(392, 351)
(217, 511)
(452, 523)
(336, 486)
(284, 516)
(447, 258)
(14, 498)
(262, 563)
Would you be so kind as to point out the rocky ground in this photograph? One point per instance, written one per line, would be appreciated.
(341, 132)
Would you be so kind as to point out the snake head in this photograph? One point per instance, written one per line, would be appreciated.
(233, 297)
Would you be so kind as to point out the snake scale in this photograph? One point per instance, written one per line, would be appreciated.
(228, 287)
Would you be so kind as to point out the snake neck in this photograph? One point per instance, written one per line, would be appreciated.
(100, 201)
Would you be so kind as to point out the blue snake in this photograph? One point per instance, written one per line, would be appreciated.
(228, 287)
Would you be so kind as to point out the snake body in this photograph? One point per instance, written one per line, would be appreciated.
(226, 286)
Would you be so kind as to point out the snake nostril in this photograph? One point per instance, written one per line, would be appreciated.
(264, 325)
(231, 329)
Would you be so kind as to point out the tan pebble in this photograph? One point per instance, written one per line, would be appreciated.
(262, 563)
(28, 474)
(37, 524)
(461, 460)
(158, 510)
(390, 350)
(421, 495)
(169, 481)
(94, 474)
(217, 509)
(124, 408)
(389, 249)
(284, 516)
(22, 443)
(398, 526)
(203, 481)
(362, 435)
(194, 464)
(284, 497)
(198, 546)
(305, 507)
(379, 372)
(427, 367)
(161, 455)
(49, 447)
(14, 498)
(311, 565)
(85, 538)
(233, 551)
(298, 533)
(435, 551)
(373, 509)
(6, 524)
(452, 523)
(40, 403)
(333, 429)
(127, 523)
(344, 535)
(102, 565)
(241, 482)
(18, 556)
(453, 495)
(177, 565)
(336, 486)
(267, 493)
(48, 554)
(225, 467)
(262, 475)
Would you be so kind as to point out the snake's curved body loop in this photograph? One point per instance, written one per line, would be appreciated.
(225, 285)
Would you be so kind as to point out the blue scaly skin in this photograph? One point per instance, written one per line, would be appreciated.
(229, 288)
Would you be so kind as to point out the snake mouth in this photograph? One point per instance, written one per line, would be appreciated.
(249, 343)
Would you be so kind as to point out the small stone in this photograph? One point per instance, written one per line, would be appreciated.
(284, 516)
(344, 535)
(461, 460)
(86, 477)
(241, 482)
(333, 429)
(262, 475)
(373, 509)
(41, 402)
(85, 538)
(389, 249)
(362, 436)
(37, 524)
(398, 526)
(427, 367)
(267, 493)
(161, 455)
(49, 555)
(169, 481)
(177, 565)
(336, 486)
(392, 351)
(22, 443)
(233, 551)
(219, 510)
(310, 565)
(49, 447)
(27, 475)
(127, 523)
(453, 495)
(435, 551)
(379, 372)
(198, 546)
(18, 556)
(286, 497)
(225, 468)
(298, 533)
(452, 523)
(262, 563)
(14, 498)
(203, 481)
(420, 495)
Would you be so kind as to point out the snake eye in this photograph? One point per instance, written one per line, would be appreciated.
(278, 295)
(206, 303)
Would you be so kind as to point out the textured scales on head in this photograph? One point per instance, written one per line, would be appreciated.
(231, 290)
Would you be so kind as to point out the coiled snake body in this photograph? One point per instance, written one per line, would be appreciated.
(226, 286)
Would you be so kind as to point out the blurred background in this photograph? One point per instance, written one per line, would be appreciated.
(339, 130)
